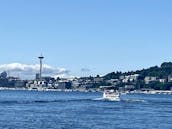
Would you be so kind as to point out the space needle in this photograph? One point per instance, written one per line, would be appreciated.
(40, 74)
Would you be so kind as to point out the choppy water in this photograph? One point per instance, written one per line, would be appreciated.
(75, 110)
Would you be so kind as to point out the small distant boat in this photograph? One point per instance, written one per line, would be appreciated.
(111, 95)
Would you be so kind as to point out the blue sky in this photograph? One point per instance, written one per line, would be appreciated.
(87, 37)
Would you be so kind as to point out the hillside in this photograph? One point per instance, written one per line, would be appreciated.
(161, 72)
(158, 73)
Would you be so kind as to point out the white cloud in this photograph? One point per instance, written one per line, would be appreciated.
(26, 71)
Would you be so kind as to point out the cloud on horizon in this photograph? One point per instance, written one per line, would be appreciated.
(85, 70)
(26, 71)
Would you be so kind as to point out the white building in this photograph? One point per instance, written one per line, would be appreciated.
(170, 78)
(98, 79)
(113, 81)
(75, 84)
(162, 80)
(149, 79)
(130, 78)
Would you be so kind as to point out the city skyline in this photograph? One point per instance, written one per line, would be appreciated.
(85, 38)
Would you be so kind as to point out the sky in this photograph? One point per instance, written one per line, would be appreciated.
(82, 38)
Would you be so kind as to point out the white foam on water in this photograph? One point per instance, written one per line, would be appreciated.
(134, 100)
(103, 99)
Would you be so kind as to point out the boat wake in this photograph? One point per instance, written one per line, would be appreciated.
(67, 100)
(132, 100)
(120, 100)
(103, 99)
(41, 101)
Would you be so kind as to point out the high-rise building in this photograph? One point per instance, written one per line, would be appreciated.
(37, 77)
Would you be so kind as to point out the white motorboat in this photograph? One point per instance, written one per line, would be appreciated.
(111, 95)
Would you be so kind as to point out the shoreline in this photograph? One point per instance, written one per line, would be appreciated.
(78, 90)
(45, 89)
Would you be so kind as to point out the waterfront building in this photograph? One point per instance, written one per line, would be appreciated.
(63, 85)
(37, 77)
(20, 83)
(170, 78)
(75, 84)
(129, 87)
(162, 80)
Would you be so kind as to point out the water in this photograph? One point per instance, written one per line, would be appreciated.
(76, 110)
